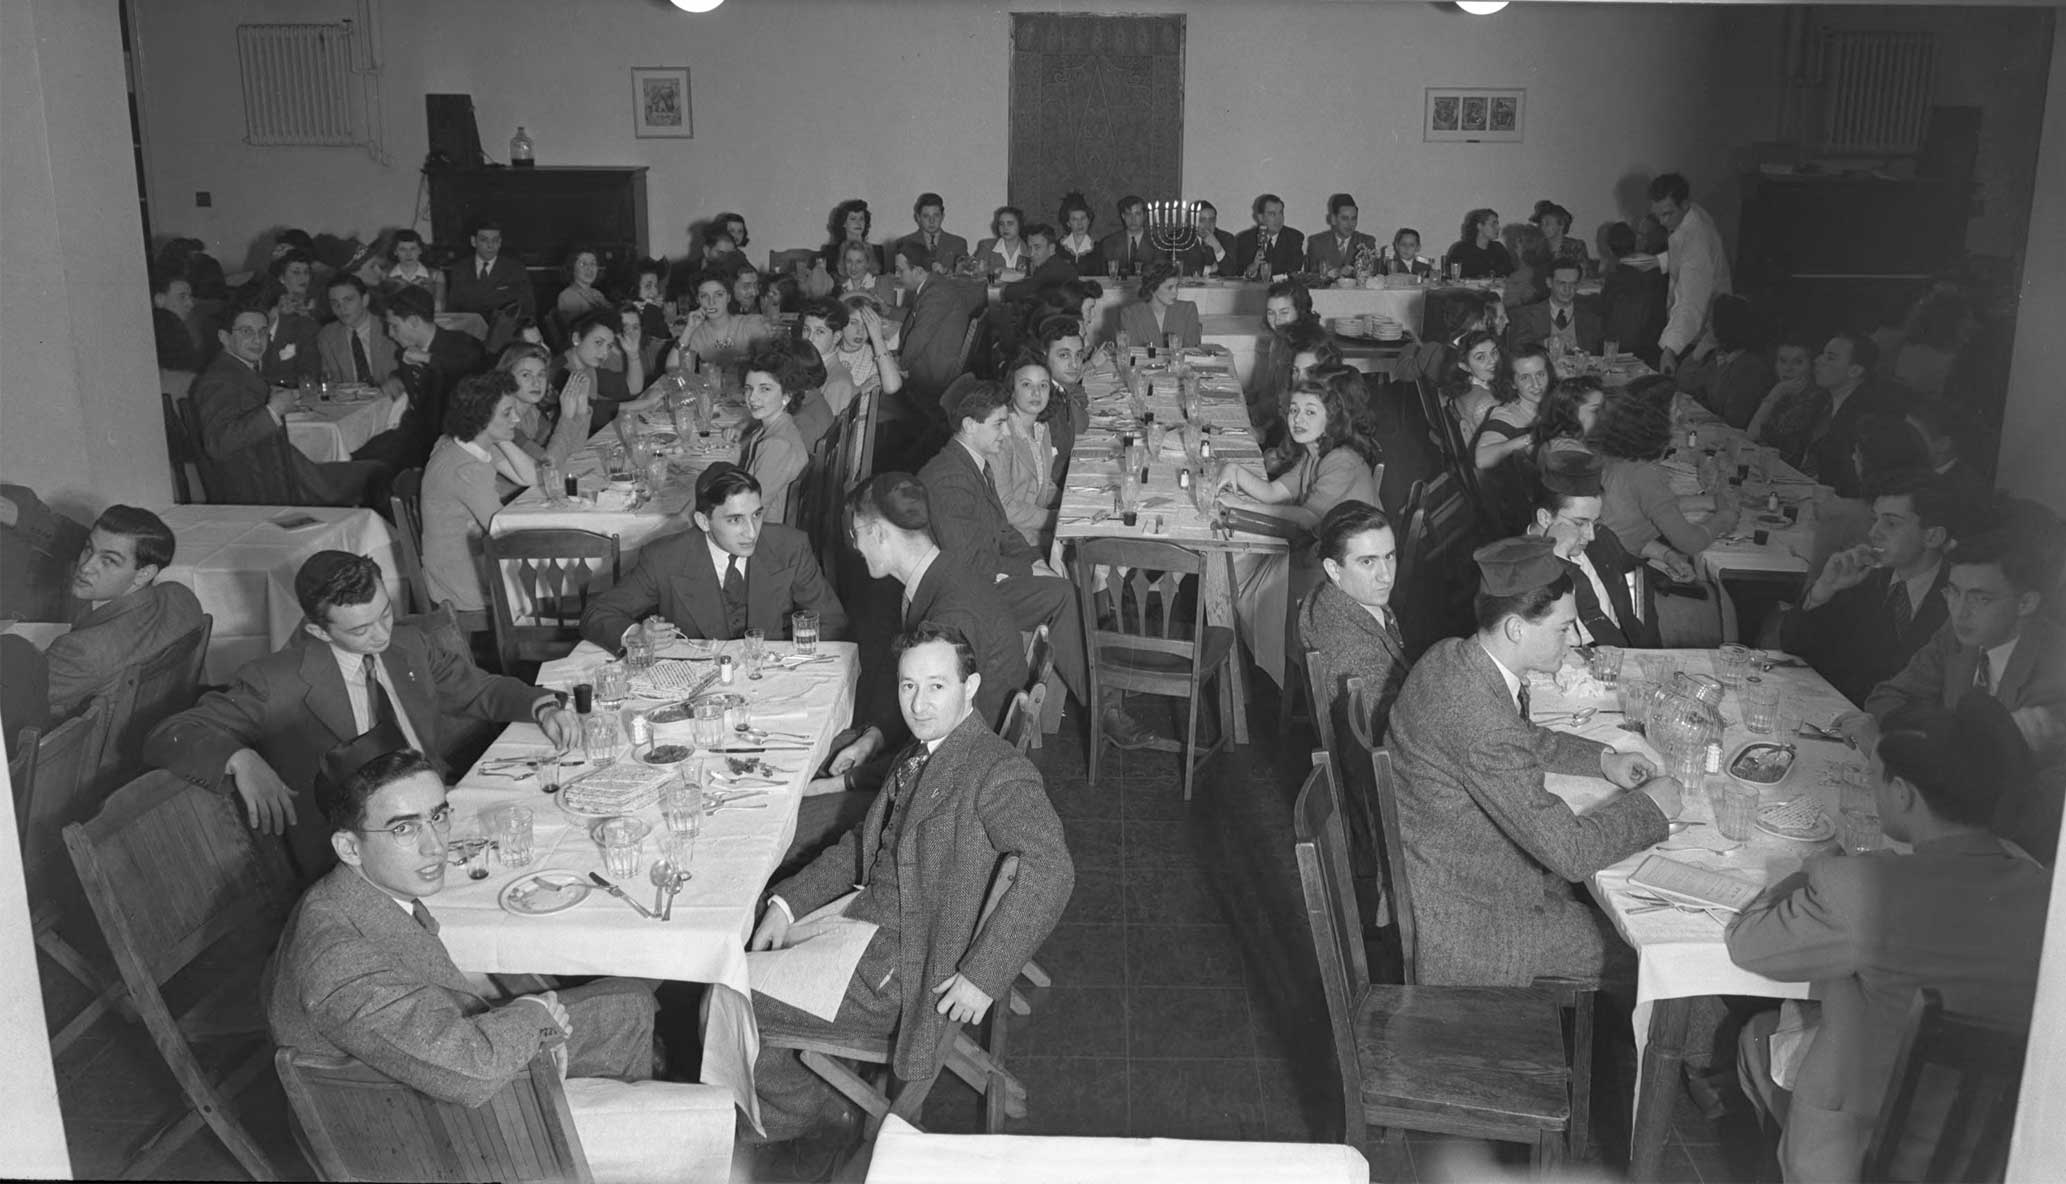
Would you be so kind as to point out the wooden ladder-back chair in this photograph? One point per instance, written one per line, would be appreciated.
(1174, 659)
(179, 450)
(1473, 1062)
(1041, 677)
(405, 499)
(1021, 730)
(147, 694)
(173, 874)
(356, 1123)
(540, 582)
(1950, 1105)
(866, 410)
(1433, 555)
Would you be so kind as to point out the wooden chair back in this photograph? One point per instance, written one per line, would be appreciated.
(1040, 655)
(1022, 717)
(820, 491)
(1321, 698)
(58, 790)
(1153, 572)
(21, 774)
(405, 499)
(356, 1123)
(1372, 791)
(968, 344)
(1439, 528)
(1336, 926)
(1436, 415)
(1950, 1105)
(160, 686)
(540, 582)
(179, 450)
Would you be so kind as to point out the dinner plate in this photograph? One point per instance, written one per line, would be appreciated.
(542, 894)
(1774, 820)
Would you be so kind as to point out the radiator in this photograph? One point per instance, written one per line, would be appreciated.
(298, 84)
(1876, 91)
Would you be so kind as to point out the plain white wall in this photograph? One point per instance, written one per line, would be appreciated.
(800, 103)
(2033, 434)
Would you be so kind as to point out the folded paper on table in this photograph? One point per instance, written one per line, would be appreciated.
(811, 972)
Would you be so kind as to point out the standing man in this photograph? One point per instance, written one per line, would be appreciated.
(1332, 254)
(947, 250)
(495, 287)
(354, 347)
(1128, 246)
(1213, 254)
(131, 615)
(1698, 265)
(432, 363)
(1492, 855)
(1347, 625)
(937, 313)
(1268, 249)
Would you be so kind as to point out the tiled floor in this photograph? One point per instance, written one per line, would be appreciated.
(1184, 1004)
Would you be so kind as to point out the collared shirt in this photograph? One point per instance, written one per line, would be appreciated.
(1698, 269)
(1997, 660)
(917, 575)
(353, 668)
(482, 266)
(1512, 680)
(474, 450)
(1592, 575)
(1078, 244)
(1383, 615)
(1837, 398)
(1919, 589)
(721, 559)
(982, 465)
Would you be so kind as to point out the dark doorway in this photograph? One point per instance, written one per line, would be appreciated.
(1097, 105)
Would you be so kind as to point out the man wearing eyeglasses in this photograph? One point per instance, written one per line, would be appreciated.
(361, 972)
(348, 670)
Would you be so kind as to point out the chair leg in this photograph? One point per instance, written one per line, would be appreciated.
(1033, 973)
(1018, 1003)
(1548, 1159)
(1097, 739)
(1581, 1140)
(850, 1084)
(1190, 755)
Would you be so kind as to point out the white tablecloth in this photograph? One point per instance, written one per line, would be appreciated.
(905, 1155)
(661, 515)
(333, 430)
(241, 567)
(738, 851)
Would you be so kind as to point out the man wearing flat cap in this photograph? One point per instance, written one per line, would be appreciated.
(1493, 858)
(1567, 512)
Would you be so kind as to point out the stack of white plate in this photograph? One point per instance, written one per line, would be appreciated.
(1385, 328)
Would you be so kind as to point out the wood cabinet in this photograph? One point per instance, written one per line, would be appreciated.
(544, 213)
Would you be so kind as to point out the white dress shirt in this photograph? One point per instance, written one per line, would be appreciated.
(1997, 660)
(721, 559)
(1698, 266)
(1592, 575)
(917, 574)
(1512, 680)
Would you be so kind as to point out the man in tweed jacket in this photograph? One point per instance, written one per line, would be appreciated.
(959, 801)
(1492, 856)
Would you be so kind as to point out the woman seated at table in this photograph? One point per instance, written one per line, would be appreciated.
(1794, 407)
(858, 277)
(1287, 303)
(409, 269)
(546, 430)
(1565, 421)
(1555, 223)
(1077, 246)
(1402, 255)
(867, 348)
(713, 333)
(1024, 468)
(849, 226)
(1507, 429)
(773, 449)
(1633, 434)
(821, 323)
(474, 467)
(596, 340)
(1733, 379)
(581, 295)
(1472, 387)
(1478, 252)
(813, 410)
(1159, 313)
(1004, 250)
(1334, 458)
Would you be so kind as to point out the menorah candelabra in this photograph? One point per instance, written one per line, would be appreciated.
(1173, 227)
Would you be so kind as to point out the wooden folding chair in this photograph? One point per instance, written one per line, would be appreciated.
(1040, 667)
(147, 694)
(1021, 730)
(356, 1123)
(540, 582)
(1950, 1105)
(1475, 1062)
(1440, 529)
(1173, 660)
(173, 874)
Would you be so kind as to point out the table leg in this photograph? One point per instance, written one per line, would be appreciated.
(1663, 1060)
(1218, 590)
(1723, 604)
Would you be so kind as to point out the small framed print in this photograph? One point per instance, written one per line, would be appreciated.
(1475, 114)
(660, 103)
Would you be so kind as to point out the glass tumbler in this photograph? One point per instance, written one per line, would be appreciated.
(710, 725)
(512, 834)
(1760, 704)
(803, 630)
(601, 738)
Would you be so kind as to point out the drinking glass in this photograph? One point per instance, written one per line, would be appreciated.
(549, 773)
(1732, 662)
(612, 685)
(681, 803)
(1634, 696)
(656, 474)
(1613, 350)
(638, 649)
(1861, 831)
(1735, 808)
(678, 853)
(1760, 704)
(755, 651)
(1606, 664)
(803, 630)
(512, 834)
(620, 839)
(1174, 343)
(710, 724)
(601, 738)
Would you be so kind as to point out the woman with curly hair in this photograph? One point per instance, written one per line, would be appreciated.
(773, 449)
(1528, 282)
(1024, 468)
(1076, 245)
(1507, 427)
(1475, 381)
(1565, 421)
(715, 334)
(1335, 453)
(1159, 314)
(475, 466)
(551, 431)
(851, 222)
(1638, 505)
(1555, 223)
(581, 295)
(1004, 250)
(1477, 250)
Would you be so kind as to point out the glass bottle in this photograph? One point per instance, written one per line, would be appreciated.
(549, 483)
(520, 149)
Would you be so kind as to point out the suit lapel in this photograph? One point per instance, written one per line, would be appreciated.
(696, 589)
(766, 577)
(326, 698)
(941, 773)
(2023, 663)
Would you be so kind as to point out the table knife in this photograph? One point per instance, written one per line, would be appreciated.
(617, 892)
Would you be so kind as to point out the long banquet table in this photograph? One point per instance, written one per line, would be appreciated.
(1681, 955)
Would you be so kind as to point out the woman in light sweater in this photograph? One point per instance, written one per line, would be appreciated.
(475, 467)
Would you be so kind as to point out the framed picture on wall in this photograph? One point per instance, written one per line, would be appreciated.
(1475, 114)
(660, 103)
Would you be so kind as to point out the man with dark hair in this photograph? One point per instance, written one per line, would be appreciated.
(360, 972)
(1050, 268)
(1844, 371)
(959, 802)
(172, 302)
(1874, 605)
(946, 250)
(1697, 266)
(131, 615)
(1268, 249)
(1492, 855)
(1334, 253)
(349, 669)
(1560, 318)
(1129, 246)
(937, 312)
(355, 347)
(1961, 914)
(1943, 429)
(1346, 625)
(433, 361)
(1568, 501)
(727, 573)
(1213, 253)
(490, 284)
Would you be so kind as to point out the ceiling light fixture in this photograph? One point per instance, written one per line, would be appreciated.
(1474, 7)
(696, 5)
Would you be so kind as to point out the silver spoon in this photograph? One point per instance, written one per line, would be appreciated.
(1575, 719)
(662, 876)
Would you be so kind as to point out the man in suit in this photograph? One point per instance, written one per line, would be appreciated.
(1213, 253)
(1844, 370)
(937, 312)
(1269, 248)
(1492, 856)
(355, 347)
(1874, 605)
(728, 573)
(360, 972)
(1050, 268)
(1567, 512)
(959, 801)
(131, 614)
(1942, 427)
(947, 250)
(1334, 253)
(1560, 319)
(432, 363)
(1994, 643)
(1962, 914)
(243, 424)
(492, 285)
(1129, 246)
(290, 356)
(1346, 625)
(348, 669)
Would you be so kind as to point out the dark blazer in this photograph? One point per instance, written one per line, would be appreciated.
(1733, 390)
(1138, 322)
(1613, 562)
(106, 641)
(1852, 642)
(1058, 270)
(355, 974)
(292, 707)
(935, 321)
(1090, 263)
(454, 356)
(952, 248)
(1829, 457)
(507, 283)
(254, 463)
(1941, 673)
(951, 592)
(1287, 251)
(976, 801)
(1324, 253)
(1632, 309)
(674, 578)
(1116, 247)
(334, 346)
(1199, 259)
(1532, 324)
(968, 517)
(291, 352)
(1347, 642)
(1492, 856)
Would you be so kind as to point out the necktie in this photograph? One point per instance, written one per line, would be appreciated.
(1392, 631)
(1522, 695)
(904, 780)
(932, 242)
(1563, 319)
(360, 364)
(381, 708)
(1899, 610)
(423, 917)
(735, 598)
(1983, 675)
